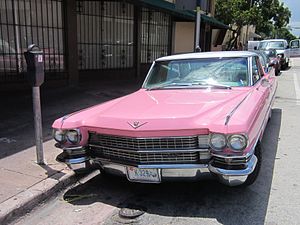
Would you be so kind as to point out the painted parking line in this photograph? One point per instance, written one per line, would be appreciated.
(297, 88)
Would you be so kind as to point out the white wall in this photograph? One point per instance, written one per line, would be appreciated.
(184, 37)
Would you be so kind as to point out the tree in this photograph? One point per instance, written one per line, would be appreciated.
(238, 13)
(285, 33)
(274, 16)
(266, 15)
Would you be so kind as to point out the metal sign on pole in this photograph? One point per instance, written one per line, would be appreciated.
(192, 5)
(35, 75)
(198, 25)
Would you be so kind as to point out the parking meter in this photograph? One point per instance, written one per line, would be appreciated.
(35, 65)
(35, 75)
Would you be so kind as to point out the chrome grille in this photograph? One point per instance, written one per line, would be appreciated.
(148, 150)
(166, 143)
(146, 157)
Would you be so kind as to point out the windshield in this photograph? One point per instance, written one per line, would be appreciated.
(271, 45)
(271, 53)
(221, 72)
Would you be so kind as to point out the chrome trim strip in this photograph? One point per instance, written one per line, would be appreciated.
(228, 117)
(73, 148)
(174, 166)
(150, 151)
(78, 166)
(233, 156)
(148, 75)
(155, 137)
(76, 160)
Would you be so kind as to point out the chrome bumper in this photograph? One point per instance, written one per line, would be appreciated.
(167, 172)
(75, 158)
(187, 171)
(234, 177)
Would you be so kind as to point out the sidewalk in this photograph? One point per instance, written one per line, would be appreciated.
(23, 183)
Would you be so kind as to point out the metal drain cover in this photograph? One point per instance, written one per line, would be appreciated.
(131, 212)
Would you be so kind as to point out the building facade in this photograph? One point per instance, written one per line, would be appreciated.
(95, 39)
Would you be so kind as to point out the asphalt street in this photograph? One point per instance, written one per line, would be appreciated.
(274, 199)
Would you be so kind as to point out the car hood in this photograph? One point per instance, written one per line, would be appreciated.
(180, 109)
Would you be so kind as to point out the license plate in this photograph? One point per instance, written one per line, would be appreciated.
(143, 175)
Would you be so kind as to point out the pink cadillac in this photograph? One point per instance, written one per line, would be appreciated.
(196, 114)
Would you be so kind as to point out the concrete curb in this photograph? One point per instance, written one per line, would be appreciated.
(25, 201)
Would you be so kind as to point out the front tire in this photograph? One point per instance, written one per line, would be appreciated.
(253, 176)
(286, 65)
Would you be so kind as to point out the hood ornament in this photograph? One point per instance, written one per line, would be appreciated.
(136, 124)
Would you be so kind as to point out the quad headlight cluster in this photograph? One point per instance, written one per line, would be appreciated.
(236, 142)
(72, 136)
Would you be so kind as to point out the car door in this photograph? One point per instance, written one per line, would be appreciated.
(262, 83)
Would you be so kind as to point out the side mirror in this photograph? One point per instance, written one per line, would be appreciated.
(266, 69)
(255, 47)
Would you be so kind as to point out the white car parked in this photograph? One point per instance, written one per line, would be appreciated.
(295, 48)
(281, 47)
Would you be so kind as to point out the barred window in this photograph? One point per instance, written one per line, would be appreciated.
(155, 35)
(23, 22)
(105, 34)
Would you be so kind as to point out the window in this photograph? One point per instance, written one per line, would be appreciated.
(206, 6)
(256, 70)
(279, 45)
(105, 34)
(155, 35)
(24, 22)
(295, 44)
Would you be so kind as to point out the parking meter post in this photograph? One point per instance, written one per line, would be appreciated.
(38, 125)
(198, 25)
(35, 75)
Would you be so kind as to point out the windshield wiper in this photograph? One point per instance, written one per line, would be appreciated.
(174, 85)
(170, 85)
(214, 85)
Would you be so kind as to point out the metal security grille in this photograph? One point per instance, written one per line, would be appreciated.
(23, 22)
(105, 34)
(156, 32)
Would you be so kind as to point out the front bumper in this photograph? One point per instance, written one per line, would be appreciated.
(229, 175)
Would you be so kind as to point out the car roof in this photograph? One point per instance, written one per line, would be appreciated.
(205, 55)
(273, 40)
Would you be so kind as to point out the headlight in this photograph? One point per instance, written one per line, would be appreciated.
(217, 141)
(59, 136)
(73, 136)
(237, 142)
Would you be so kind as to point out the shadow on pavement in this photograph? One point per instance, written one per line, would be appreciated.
(16, 114)
(203, 199)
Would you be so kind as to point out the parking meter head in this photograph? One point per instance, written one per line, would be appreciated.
(35, 66)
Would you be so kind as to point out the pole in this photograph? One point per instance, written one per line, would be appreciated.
(198, 24)
(38, 125)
